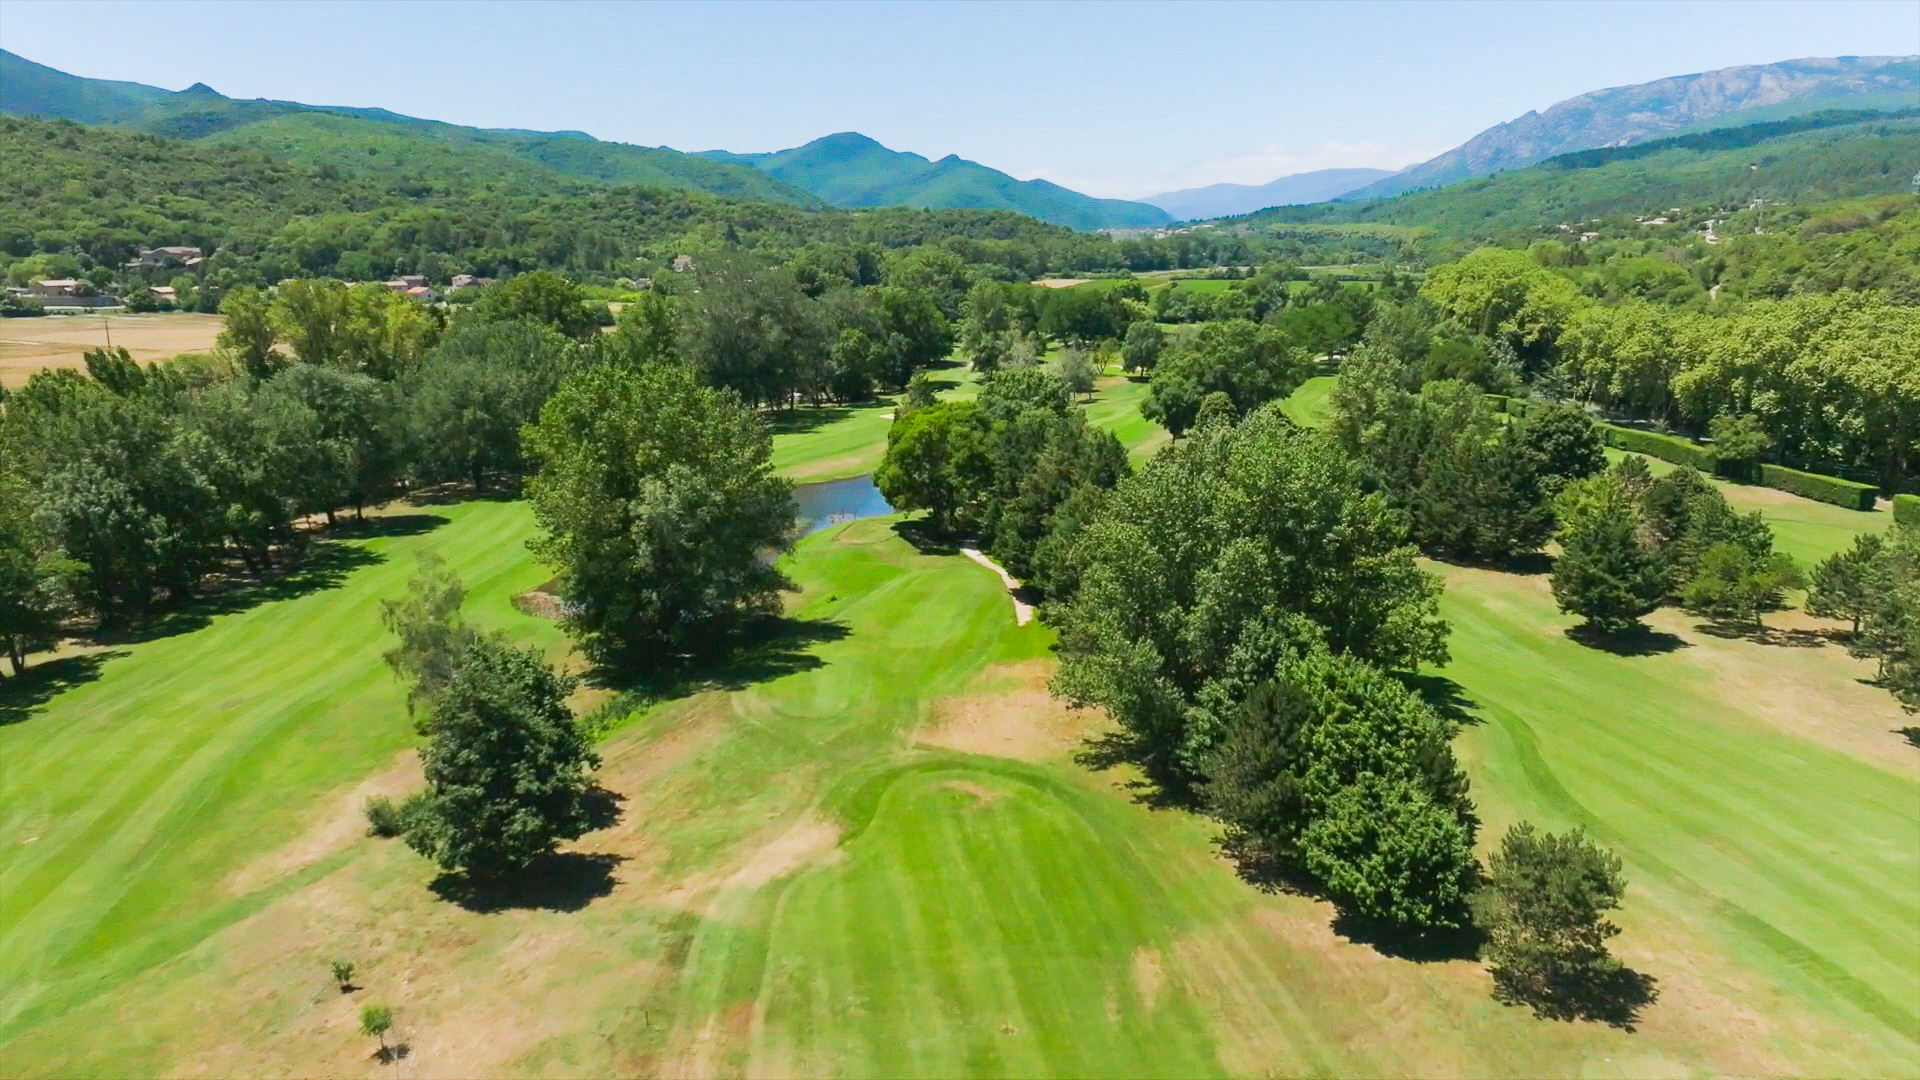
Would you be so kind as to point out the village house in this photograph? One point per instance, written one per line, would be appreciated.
(56, 287)
(174, 255)
(682, 263)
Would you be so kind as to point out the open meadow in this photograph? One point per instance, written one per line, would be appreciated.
(865, 847)
(61, 341)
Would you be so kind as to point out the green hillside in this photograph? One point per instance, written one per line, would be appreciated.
(846, 170)
(425, 152)
(851, 170)
(1813, 159)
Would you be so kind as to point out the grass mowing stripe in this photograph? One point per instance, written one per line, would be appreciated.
(1654, 765)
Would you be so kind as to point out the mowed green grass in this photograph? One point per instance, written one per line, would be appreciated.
(126, 802)
(1791, 843)
(820, 883)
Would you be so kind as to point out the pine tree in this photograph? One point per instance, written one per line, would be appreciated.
(1604, 574)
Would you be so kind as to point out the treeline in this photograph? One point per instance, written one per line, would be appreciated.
(127, 487)
(1831, 382)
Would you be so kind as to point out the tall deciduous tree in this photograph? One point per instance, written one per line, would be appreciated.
(471, 396)
(1218, 561)
(432, 634)
(248, 334)
(542, 297)
(1249, 363)
(658, 504)
(32, 573)
(1336, 769)
(931, 453)
(506, 763)
(1144, 343)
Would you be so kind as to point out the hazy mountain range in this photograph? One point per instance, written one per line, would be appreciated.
(1229, 200)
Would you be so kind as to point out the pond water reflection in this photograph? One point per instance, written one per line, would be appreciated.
(837, 502)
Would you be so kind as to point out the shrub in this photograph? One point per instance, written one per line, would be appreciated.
(1826, 489)
(343, 974)
(386, 818)
(1497, 402)
(1665, 447)
(1906, 510)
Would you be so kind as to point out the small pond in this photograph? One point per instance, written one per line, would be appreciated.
(837, 502)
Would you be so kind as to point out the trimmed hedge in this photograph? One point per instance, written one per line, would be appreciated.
(1826, 489)
(1665, 447)
(1906, 510)
(1497, 402)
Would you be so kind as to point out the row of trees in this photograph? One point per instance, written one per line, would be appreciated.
(1832, 379)
(127, 483)
(1241, 606)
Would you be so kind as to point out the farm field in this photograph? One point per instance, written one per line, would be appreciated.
(865, 849)
(57, 341)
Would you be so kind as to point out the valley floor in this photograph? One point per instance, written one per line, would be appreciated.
(867, 849)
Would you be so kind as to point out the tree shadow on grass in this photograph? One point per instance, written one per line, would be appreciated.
(808, 418)
(386, 525)
(499, 489)
(753, 651)
(1531, 564)
(1444, 696)
(1911, 734)
(603, 807)
(1420, 945)
(563, 881)
(48, 679)
(1731, 630)
(1644, 641)
(326, 565)
(1614, 997)
(924, 538)
(387, 1055)
(1156, 788)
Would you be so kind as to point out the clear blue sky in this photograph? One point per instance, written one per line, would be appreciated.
(1118, 99)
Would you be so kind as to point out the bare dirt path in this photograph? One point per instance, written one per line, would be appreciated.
(1022, 611)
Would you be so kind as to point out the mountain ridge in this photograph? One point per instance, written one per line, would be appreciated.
(856, 171)
(319, 134)
(1623, 115)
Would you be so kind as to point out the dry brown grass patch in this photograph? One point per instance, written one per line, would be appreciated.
(1010, 714)
(60, 341)
(339, 823)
